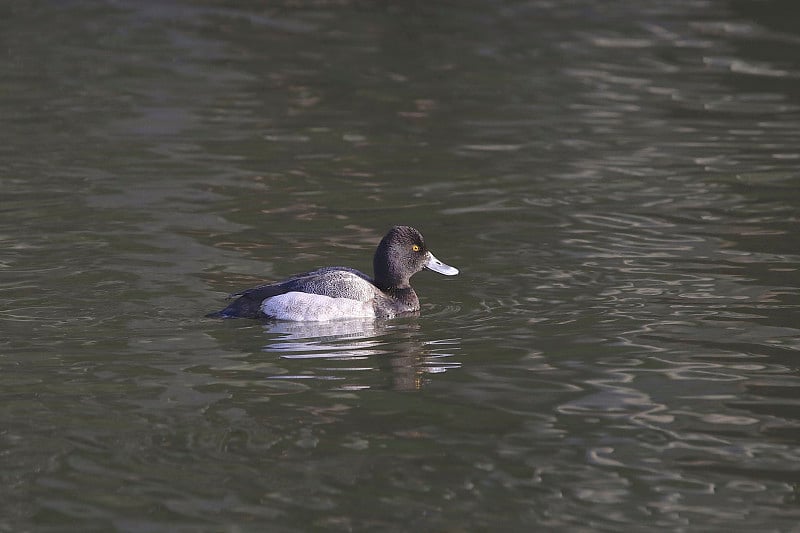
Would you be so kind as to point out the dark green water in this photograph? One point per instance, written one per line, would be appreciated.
(618, 182)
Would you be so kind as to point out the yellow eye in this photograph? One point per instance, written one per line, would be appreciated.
(416, 248)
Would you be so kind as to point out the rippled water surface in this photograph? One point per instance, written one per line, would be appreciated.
(617, 181)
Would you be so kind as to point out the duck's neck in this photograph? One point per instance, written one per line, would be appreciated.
(391, 285)
(405, 295)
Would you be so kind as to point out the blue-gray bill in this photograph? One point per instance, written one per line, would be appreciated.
(437, 266)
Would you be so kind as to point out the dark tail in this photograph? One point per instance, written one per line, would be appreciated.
(243, 307)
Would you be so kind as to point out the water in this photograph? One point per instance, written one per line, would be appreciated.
(618, 184)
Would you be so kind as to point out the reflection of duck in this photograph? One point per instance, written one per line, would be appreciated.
(340, 339)
(340, 292)
(351, 351)
(338, 329)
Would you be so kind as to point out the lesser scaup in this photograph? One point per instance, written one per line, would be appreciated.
(333, 293)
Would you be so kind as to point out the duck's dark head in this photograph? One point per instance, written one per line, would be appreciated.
(401, 254)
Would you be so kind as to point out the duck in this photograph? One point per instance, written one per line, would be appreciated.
(337, 293)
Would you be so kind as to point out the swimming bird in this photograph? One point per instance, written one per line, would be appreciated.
(334, 293)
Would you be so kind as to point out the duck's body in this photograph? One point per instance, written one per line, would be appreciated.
(329, 293)
(334, 293)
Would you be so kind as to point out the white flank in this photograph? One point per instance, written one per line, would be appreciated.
(305, 307)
